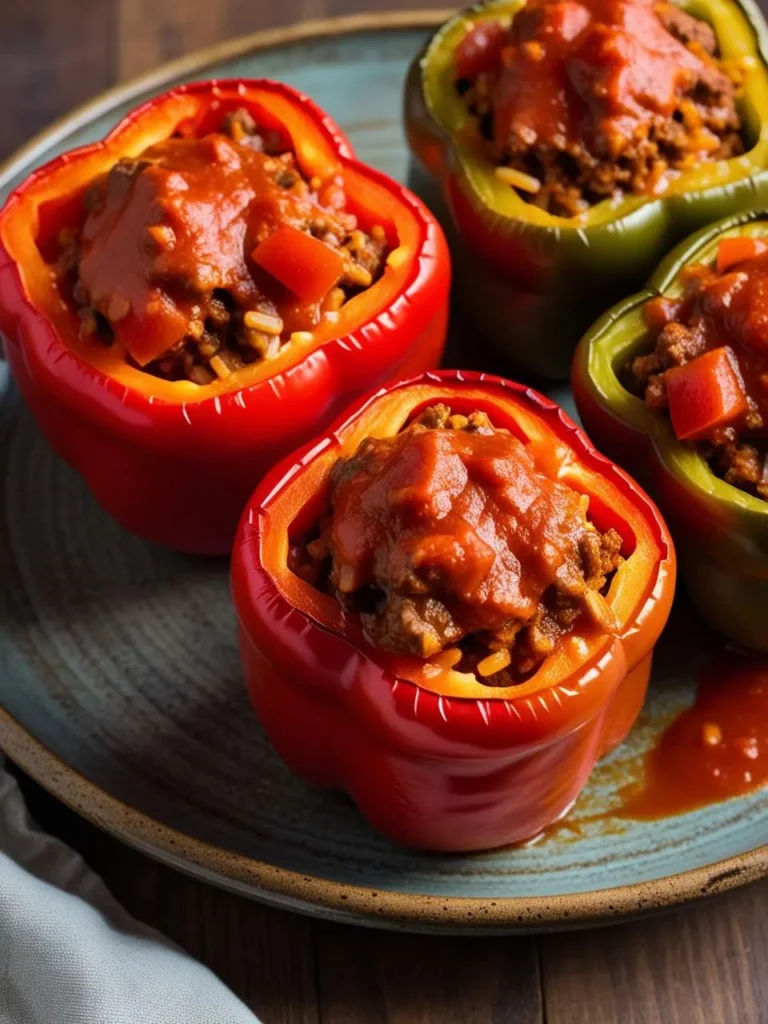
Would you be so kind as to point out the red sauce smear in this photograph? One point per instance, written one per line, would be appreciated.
(716, 749)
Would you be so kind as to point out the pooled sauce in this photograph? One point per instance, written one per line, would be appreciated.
(716, 749)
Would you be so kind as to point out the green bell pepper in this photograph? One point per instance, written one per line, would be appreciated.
(540, 279)
(721, 532)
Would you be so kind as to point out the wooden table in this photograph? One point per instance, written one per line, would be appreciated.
(702, 965)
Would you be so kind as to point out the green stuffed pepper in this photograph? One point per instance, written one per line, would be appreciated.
(673, 384)
(667, 130)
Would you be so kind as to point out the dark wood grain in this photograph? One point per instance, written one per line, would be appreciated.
(412, 979)
(53, 55)
(152, 32)
(703, 965)
(700, 965)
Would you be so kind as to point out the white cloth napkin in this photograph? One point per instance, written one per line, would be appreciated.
(70, 954)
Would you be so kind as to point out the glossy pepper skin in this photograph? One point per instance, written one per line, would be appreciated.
(171, 461)
(532, 282)
(433, 758)
(720, 531)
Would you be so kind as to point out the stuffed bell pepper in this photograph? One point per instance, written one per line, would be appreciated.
(187, 301)
(673, 383)
(573, 142)
(448, 605)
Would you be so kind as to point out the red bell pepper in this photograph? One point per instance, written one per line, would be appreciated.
(735, 250)
(704, 394)
(174, 461)
(305, 265)
(432, 756)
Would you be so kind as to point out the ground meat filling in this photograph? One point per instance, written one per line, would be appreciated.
(717, 311)
(164, 265)
(582, 101)
(449, 544)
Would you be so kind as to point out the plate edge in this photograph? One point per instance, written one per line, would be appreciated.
(305, 893)
(228, 49)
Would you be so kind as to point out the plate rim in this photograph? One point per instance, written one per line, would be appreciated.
(198, 60)
(293, 890)
(258, 879)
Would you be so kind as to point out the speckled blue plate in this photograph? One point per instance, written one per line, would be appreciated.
(119, 677)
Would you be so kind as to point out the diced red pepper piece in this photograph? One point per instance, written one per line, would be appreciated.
(737, 249)
(706, 393)
(149, 335)
(659, 312)
(480, 49)
(305, 265)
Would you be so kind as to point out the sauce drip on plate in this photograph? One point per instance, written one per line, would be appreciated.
(716, 749)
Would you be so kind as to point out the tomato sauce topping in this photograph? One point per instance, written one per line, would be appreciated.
(578, 101)
(205, 254)
(448, 538)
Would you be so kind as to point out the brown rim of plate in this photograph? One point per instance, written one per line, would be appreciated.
(272, 884)
(296, 891)
(201, 59)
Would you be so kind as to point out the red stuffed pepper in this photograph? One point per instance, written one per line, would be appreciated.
(448, 605)
(187, 301)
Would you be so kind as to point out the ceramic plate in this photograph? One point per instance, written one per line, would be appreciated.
(120, 680)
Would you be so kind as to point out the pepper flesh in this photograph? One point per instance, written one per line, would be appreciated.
(705, 394)
(305, 265)
(721, 531)
(171, 460)
(735, 250)
(532, 282)
(435, 758)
